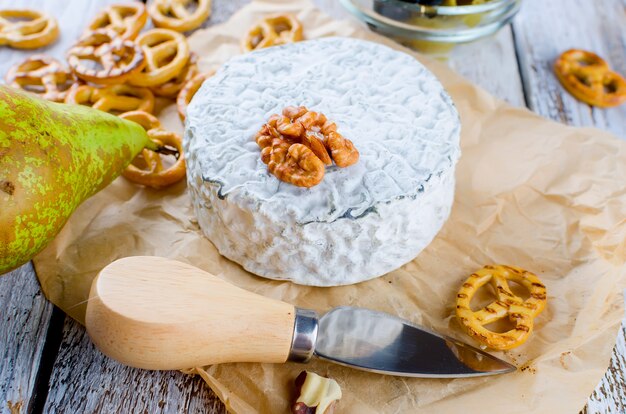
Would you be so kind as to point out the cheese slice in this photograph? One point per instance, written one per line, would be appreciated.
(361, 221)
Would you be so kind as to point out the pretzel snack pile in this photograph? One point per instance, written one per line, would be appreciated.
(297, 145)
(115, 68)
(507, 305)
(590, 79)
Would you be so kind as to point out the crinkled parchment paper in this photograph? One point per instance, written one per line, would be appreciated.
(530, 192)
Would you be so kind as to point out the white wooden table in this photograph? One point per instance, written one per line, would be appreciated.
(47, 362)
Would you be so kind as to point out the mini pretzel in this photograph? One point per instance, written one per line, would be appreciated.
(178, 15)
(42, 75)
(171, 88)
(273, 31)
(125, 19)
(167, 53)
(588, 77)
(155, 175)
(32, 30)
(188, 91)
(113, 99)
(520, 312)
(118, 59)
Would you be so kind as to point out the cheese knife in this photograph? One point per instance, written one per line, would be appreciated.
(156, 313)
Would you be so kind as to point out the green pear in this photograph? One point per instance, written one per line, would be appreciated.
(53, 157)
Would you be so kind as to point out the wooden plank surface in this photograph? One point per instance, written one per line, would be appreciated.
(610, 395)
(545, 29)
(492, 64)
(24, 320)
(84, 381)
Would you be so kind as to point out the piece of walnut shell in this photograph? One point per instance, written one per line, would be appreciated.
(316, 394)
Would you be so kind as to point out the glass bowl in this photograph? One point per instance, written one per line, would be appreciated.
(434, 28)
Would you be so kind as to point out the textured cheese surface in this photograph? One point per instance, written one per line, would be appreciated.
(396, 113)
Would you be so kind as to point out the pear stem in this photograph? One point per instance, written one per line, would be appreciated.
(152, 146)
(161, 149)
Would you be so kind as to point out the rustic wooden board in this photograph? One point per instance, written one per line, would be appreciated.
(491, 63)
(545, 29)
(610, 395)
(23, 328)
(85, 381)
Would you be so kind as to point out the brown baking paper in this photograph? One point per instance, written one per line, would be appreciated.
(530, 192)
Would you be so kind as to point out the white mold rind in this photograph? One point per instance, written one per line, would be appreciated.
(360, 222)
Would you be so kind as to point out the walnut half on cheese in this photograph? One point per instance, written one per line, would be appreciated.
(360, 222)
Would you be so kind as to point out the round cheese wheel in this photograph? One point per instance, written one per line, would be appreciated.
(360, 222)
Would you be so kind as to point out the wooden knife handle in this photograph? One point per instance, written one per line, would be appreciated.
(156, 313)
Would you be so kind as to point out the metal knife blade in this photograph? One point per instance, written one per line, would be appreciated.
(378, 342)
